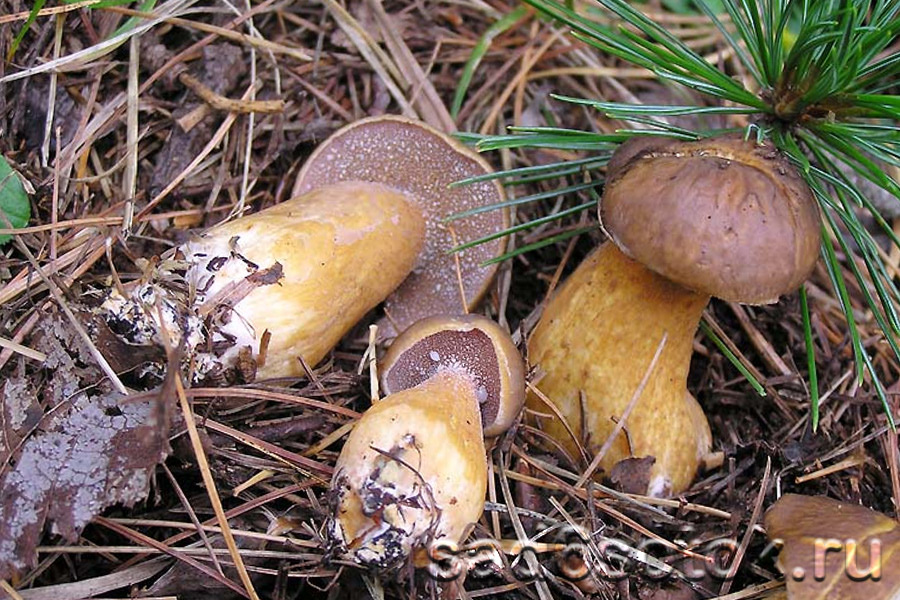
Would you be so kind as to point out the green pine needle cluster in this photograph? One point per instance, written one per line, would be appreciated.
(824, 89)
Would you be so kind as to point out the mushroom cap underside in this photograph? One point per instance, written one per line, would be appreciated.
(471, 344)
(424, 163)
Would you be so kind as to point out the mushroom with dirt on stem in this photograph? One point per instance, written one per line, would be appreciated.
(279, 287)
(722, 217)
(276, 290)
(414, 470)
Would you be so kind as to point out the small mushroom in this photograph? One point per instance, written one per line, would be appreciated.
(413, 470)
(473, 344)
(282, 284)
(832, 549)
(424, 163)
(688, 220)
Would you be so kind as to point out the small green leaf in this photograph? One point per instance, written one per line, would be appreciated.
(14, 204)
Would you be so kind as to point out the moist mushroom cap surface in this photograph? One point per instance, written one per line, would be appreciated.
(421, 161)
(472, 345)
(725, 217)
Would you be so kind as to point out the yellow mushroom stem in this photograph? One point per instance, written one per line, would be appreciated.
(594, 344)
(341, 250)
(412, 471)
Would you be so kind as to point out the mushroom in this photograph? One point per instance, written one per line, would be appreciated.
(251, 340)
(719, 217)
(834, 549)
(472, 344)
(283, 284)
(413, 470)
(424, 163)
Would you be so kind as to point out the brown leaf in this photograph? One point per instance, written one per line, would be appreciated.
(835, 549)
(19, 414)
(93, 453)
(93, 448)
(632, 475)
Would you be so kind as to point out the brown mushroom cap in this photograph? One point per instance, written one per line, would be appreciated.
(725, 217)
(816, 557)
(472, 344)
(422, 162)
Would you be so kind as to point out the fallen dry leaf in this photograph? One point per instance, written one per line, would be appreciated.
(632, 475)
(90, 449)
(833, 549)
(19, 413)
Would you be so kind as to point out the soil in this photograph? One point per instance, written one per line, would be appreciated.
(210, 111)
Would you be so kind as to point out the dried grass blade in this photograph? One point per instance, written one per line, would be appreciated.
(88, 588)
(129, 177)
(540, 582)
(423, 95)
(370, 51)
(84, 256)
(236, 36)
(273, 396)
(6, 587)
(214, 498)
(51, 94)
(220, 102)
(23, 350)
(45, 12)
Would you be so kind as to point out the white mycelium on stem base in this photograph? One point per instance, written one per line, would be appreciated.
(286, 283)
